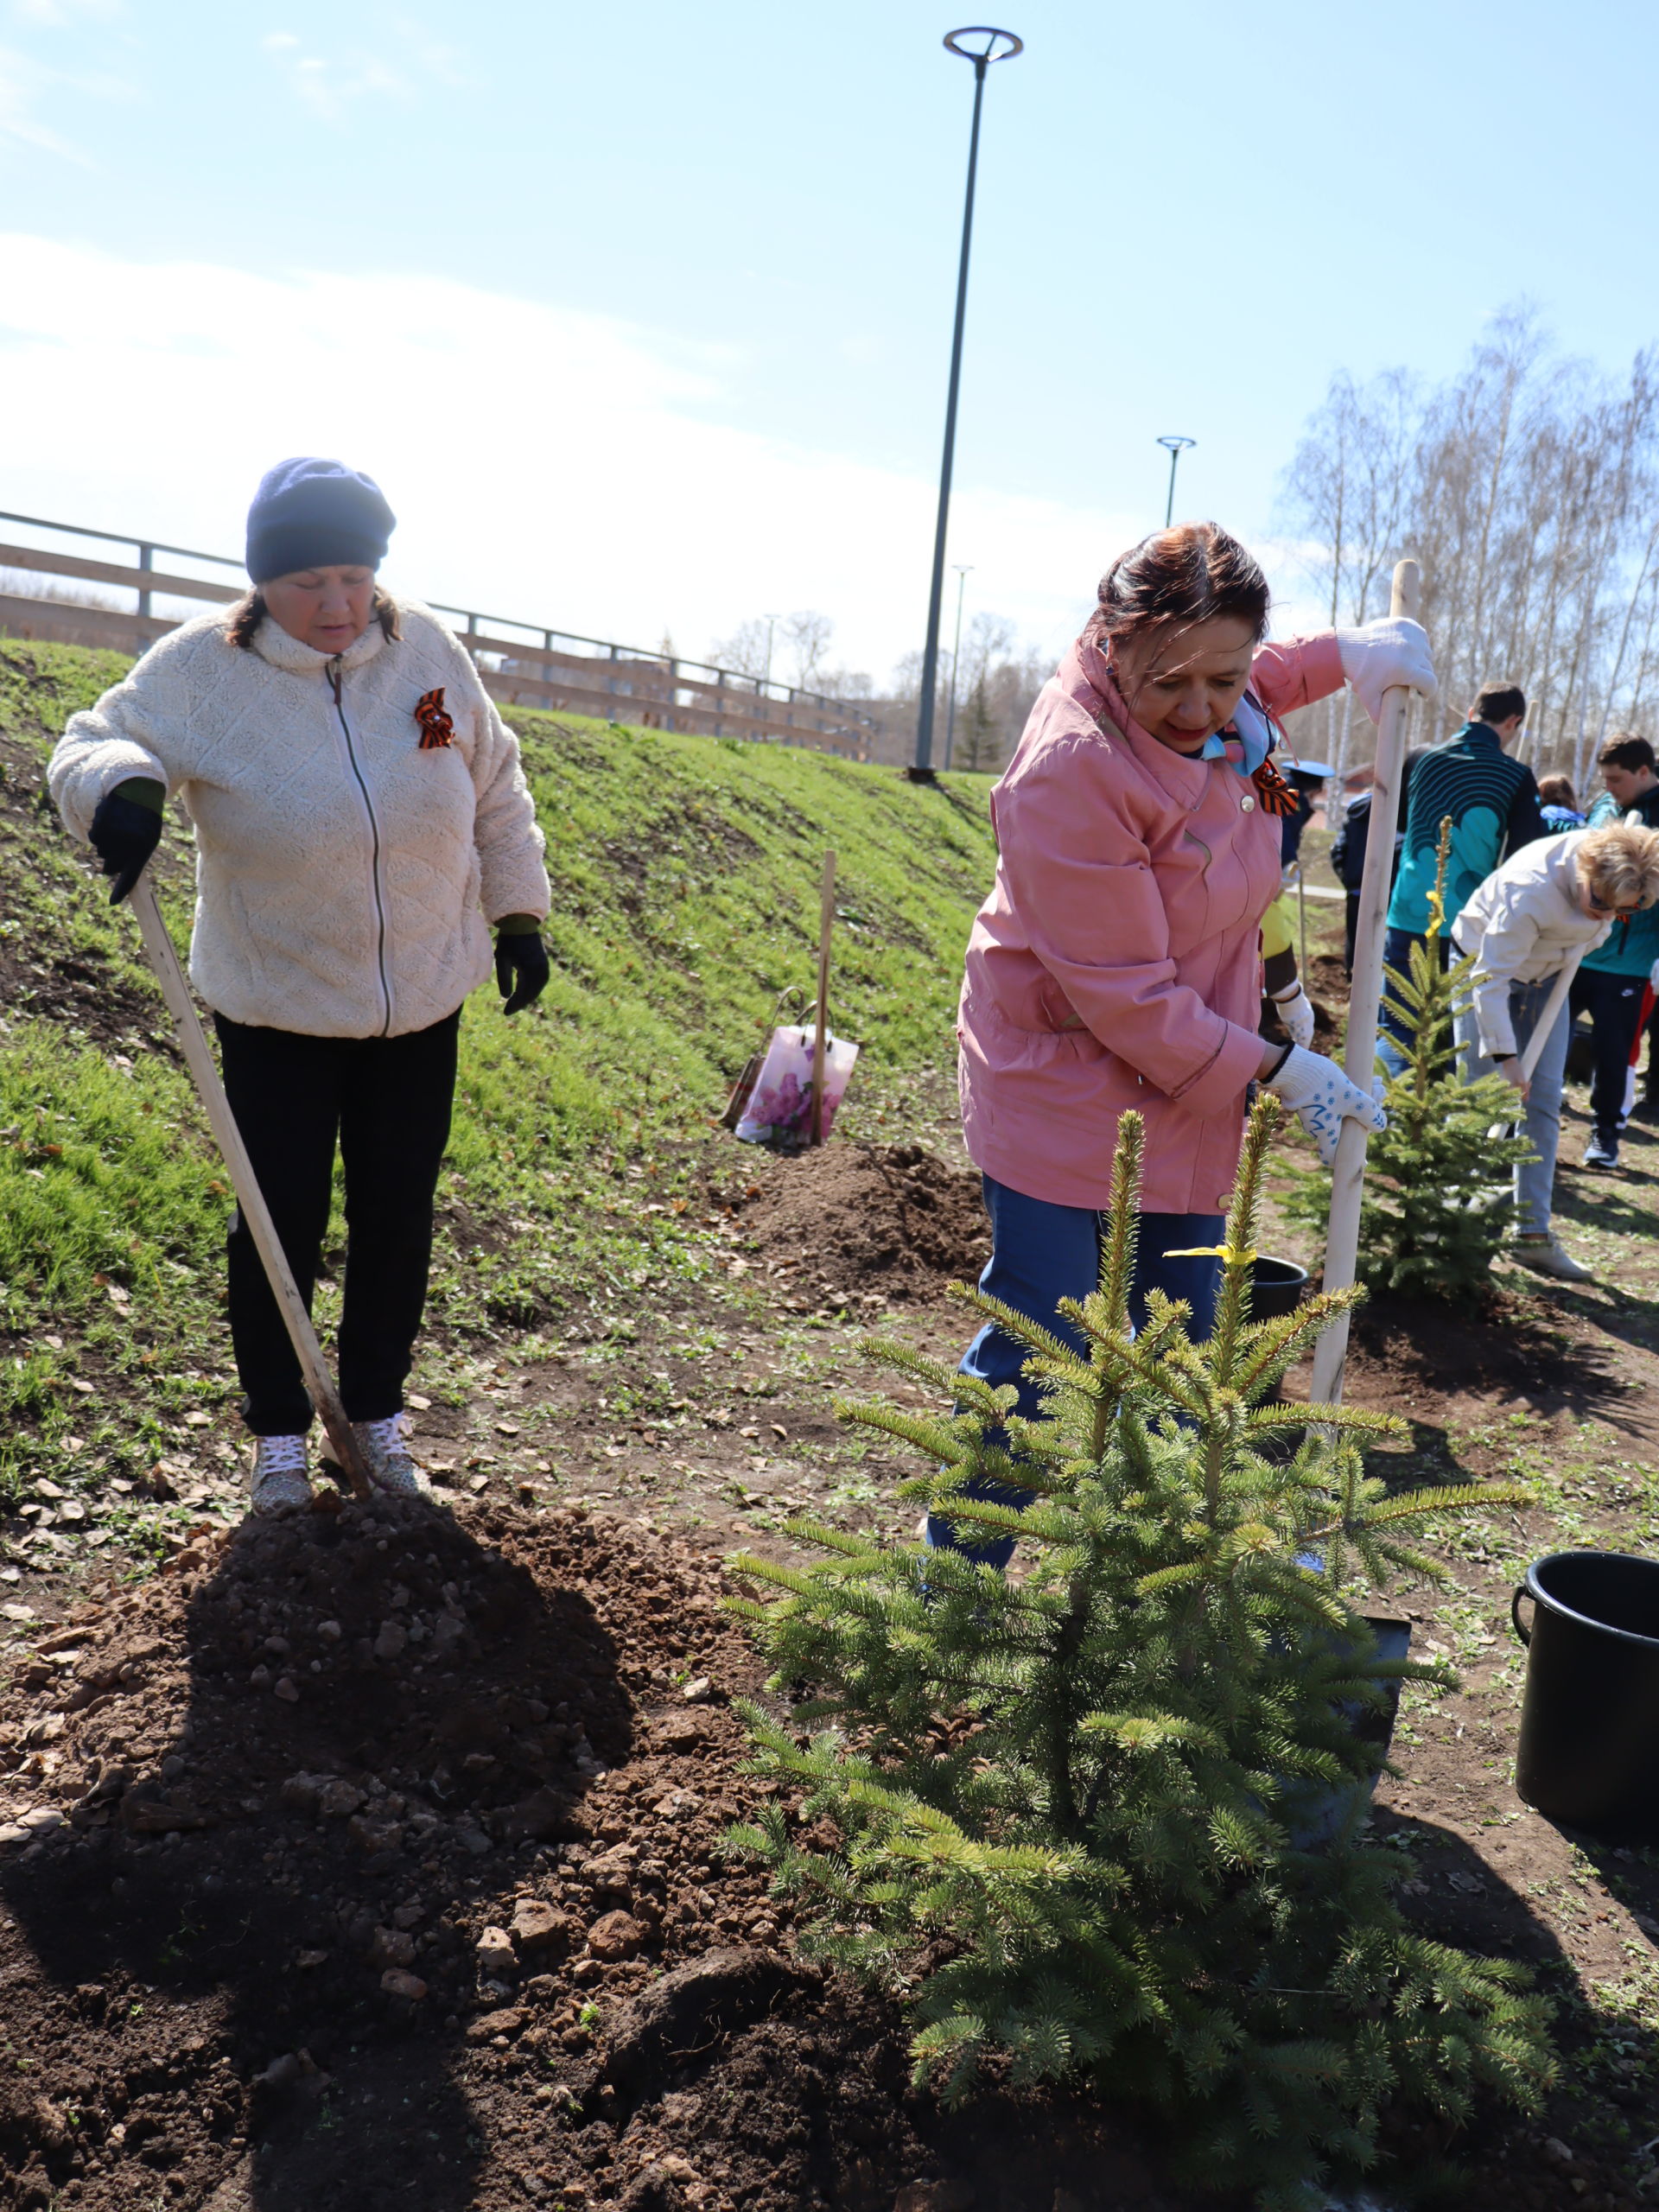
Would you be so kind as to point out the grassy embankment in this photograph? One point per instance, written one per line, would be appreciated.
(685, 876)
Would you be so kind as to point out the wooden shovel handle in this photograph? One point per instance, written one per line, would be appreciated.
(249, 1197)
(826, 924)
(1366, 998)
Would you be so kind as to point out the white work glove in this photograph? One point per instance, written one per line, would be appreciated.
(1296, 1012)
(1392, 651)
(1653, 976)
(1321, 1097)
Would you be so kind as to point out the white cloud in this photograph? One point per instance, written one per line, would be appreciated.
(22, 83)
(58, 14)
(434, 57)
(329, 84)
(555, 467)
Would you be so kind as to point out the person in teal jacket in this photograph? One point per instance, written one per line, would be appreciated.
(1493, 802)
(1611, 981)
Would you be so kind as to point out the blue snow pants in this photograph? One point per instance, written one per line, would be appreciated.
(1041, 1254)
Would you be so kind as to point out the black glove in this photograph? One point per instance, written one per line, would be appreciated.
(521, 968)
(124, 835)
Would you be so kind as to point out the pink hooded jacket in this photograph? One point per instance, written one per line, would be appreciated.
(1117, 962)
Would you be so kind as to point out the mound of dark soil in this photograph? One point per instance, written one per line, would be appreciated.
(1503, 1348)
(309, 1833)
(870, 1222)
(374, 1860)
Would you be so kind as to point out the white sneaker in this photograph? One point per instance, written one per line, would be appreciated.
(281, 1481)
(1547, 1255)
(387, 1458)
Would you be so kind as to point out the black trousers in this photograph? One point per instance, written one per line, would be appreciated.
(386, 1102)
(1614, 1005)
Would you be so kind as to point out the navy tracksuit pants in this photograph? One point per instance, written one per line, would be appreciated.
(1042, 1253)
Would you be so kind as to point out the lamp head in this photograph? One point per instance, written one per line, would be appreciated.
(992, 45)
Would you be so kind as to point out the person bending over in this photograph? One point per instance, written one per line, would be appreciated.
(1557, 898)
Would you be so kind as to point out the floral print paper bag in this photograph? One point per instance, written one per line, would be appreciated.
(779, 1109)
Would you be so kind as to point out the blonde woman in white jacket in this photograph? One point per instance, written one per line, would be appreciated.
(362, 823)
(1548, 904)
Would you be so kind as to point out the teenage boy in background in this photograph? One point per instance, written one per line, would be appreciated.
(1611, 979)
(1493, 802)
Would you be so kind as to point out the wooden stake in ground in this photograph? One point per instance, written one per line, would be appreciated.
(1348, 1174)
(249, 1197)
(826, 923)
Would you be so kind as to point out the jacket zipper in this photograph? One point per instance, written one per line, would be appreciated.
(335, 681)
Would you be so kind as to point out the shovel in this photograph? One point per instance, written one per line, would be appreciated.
(198, 1060)
(1540, 1037)
(1348, 1169)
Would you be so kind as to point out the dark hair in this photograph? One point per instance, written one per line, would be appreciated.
(1627, 750)
(1499, 702)
(242, 621)
(1193, 573)
(1557, 790)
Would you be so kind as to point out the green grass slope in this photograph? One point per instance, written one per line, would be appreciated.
(685, 873)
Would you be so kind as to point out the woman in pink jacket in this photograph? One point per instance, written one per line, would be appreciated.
(1117, 962)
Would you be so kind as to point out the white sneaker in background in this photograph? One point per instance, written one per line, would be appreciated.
(391, 1467)
(1547, 1255)
(281, 1480)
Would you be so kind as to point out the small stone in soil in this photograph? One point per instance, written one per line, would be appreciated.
(536, 1924)
(495, 1952)
(616, 1936)
(392, 1947)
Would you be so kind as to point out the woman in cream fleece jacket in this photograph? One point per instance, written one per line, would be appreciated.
(362, 822)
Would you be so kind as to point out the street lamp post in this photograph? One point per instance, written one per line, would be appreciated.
(963, 575)
(996, 46)
(1176, 447)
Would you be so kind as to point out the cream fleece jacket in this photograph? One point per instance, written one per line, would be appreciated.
(1523, 923)
(345, 879)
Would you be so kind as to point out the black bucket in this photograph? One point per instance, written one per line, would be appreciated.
(1589, 1749)
(1276, 1287)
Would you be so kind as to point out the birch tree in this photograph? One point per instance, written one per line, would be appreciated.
(1528, 487)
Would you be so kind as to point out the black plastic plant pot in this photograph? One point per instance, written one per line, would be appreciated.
(1317, 1817)
(1589, 1749)
(1276, 1287)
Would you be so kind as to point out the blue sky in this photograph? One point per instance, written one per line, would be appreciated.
(642, 312)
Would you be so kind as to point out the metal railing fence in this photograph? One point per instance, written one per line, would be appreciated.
(522, 664)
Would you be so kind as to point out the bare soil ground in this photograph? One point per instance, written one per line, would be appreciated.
(376, 1858)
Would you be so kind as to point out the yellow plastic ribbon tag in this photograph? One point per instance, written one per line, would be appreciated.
(1246, 1255)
